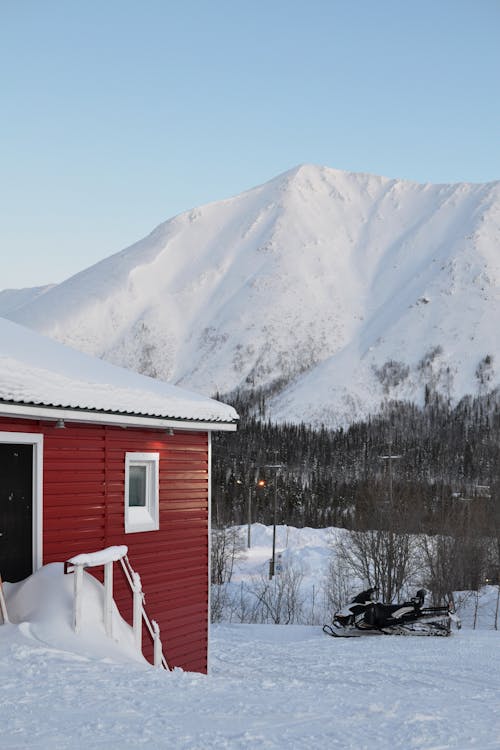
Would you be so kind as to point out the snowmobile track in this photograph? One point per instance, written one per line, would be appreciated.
(400, 630)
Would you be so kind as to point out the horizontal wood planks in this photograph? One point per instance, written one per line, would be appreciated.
(83, 511)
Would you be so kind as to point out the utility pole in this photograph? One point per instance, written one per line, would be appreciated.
(260, 483)
(275, 520)
(249, 517)
(276, 467)
(390, 457)
(390, 536)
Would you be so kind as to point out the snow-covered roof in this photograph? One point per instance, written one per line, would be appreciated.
(38, 372)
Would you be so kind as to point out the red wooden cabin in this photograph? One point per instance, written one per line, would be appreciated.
(92, 455)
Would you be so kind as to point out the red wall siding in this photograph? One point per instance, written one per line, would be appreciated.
(84, 485)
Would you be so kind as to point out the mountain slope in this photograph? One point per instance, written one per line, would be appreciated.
(11, 299)
(317, 280)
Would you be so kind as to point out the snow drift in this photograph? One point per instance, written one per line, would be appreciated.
(41, 607)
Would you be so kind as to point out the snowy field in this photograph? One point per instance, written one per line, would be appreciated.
(270, 686)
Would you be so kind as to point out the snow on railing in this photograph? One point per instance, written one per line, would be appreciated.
(107, 557)
(139, 614)
(3, 605)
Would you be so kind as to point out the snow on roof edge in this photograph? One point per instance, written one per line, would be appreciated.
(40, 410)
(38, 371)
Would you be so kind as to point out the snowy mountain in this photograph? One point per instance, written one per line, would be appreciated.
(11, 299)
(331, 290)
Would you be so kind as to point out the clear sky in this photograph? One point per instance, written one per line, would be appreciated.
(118, 114)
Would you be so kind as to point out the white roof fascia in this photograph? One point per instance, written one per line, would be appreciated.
(25, 411)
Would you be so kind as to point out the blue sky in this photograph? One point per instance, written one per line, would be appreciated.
(116, 115)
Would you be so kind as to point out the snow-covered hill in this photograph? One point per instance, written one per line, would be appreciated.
(345, 288)
(11, 299)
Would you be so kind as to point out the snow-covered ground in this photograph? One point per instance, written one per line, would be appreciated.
(308, 553)
(270, 686)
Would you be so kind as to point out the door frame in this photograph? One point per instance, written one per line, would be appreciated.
(36, 441)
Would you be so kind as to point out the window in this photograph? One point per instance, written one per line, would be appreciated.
(141, 492)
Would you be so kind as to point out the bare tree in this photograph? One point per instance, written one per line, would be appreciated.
(338, 583)
(438, 554)
(281, 599)
(227, 547)
(380, 558)
(219, 600)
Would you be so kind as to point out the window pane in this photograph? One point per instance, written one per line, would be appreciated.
(137, 486)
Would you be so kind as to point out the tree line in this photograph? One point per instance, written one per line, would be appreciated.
(409, 470)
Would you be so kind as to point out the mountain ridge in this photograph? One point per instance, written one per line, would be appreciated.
(318, 280)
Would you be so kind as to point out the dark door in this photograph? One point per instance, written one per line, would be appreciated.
(16, 511)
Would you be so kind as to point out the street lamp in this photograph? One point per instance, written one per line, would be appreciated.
(260, 483)
(275, 515)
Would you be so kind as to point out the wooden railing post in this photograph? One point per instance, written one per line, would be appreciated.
(137, 610)
(157, 647)
(106, 558)
(108, 598)
(77, 603)
(3, 605)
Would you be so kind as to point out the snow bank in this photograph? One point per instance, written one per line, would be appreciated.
(309, 552)
(41, 607)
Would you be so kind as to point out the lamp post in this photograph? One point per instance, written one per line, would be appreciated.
(260, 483)
(272, 562)
(249, 518)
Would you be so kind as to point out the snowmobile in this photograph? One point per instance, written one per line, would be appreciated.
(366, 615)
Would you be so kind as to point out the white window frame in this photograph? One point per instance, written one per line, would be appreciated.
(144, 518)
(36, 440)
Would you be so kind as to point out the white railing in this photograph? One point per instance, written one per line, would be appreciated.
(140, 614)
(107, 557)
(3, 605)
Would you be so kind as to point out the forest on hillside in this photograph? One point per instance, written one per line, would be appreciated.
(432, 470)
